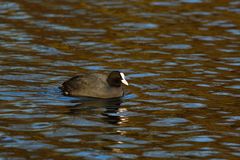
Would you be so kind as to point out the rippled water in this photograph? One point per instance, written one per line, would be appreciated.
(181, 58)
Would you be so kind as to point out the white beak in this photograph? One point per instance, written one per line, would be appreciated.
(124, 82)
(123, 79)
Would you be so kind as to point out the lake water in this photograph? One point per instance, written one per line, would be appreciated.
(181, 59)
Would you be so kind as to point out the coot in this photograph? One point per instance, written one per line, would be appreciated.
(96, 85)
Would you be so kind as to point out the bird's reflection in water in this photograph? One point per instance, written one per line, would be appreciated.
(109, 108)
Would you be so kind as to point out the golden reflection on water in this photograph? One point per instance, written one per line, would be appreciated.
(180, 57)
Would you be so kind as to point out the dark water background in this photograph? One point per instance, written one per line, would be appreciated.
(181, 58)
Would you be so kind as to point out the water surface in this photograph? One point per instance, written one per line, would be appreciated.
(180, 57)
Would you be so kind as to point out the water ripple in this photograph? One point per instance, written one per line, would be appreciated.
(181, 59)
(168, 122)
(136, 26)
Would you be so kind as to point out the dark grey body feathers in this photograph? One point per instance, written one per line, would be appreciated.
(91, 85)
